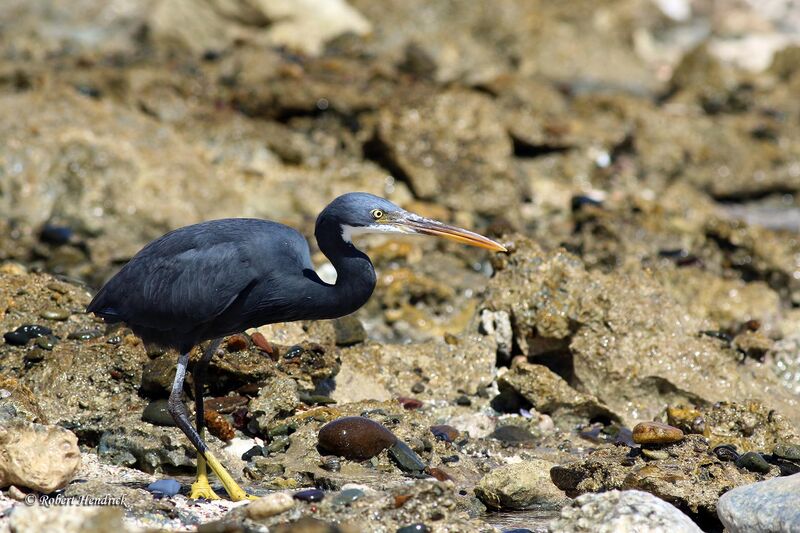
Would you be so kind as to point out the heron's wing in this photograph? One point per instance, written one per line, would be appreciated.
(176, 291)
(185, 279)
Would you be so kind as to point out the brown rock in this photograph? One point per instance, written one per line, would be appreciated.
(355, 437)
(656, 433)
(42, 458)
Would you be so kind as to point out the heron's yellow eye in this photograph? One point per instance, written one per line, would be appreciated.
(376, 214)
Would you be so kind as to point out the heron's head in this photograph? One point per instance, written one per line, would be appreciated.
(358, 213)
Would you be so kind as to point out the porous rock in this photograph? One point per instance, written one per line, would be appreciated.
(519, 486)
(628, 511)
(42, 458)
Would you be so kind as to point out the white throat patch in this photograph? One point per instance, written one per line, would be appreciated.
(348, 232)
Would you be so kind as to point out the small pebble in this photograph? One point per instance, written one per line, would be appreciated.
(15, 494)
(255, 451)
(164, 487)
(439, 474)
(55, 314)
(414, 528)
(331, 463)
(512, 435)
(47, 342)
(157, 413)
(450, 459)
(656, 433)
(261, 341)
(237, 343)
(463, 400)
(52, 234)
(405, 457)
(517, 530)
(85, 334)
(309, 495)
(347, 496)
(16, 338)
(354, 437)
(787, 451)
(726, 452)
(445, 432)
(409, 403)
(417, 388)
(753, 462)
(270, 505)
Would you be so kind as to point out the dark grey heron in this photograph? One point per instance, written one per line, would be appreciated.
(209, 280)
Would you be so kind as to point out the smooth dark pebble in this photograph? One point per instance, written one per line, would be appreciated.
(85, 334)
(406, 458)
(309, 495)
(445, 432)
(787, 451)
(116, 339)
(417, 388)
(354, 437)
(293, 352)
(450, 459)
(726, 452)
(164, 487)
(16, 338)
(414, 528)
(518, 530)
(463, 400)
(47, 342)
(512, 435)
(57, 235)
(753, 462)
(157, 413)
(255, 451)
(347, 496)
(55, 314)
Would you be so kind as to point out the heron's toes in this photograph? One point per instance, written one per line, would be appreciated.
(202, 490)
(241, 495)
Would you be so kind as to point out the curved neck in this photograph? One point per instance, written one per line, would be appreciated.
(355, 275)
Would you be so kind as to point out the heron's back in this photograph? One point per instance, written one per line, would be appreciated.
(174, 290)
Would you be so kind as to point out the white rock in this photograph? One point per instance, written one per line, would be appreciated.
(763, 507)
(270, 505)
(630, 511)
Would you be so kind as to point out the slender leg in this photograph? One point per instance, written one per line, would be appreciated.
(201, 487)
(181, 417)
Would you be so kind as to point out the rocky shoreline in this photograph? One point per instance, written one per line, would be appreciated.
(632, 362)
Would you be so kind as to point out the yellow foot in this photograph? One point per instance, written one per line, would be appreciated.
(202, 490)
(235, 492)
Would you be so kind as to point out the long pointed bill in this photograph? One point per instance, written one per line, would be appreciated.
(416, 224)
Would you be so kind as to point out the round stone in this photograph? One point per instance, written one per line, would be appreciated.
(445, 432)
(164, 487)
(309, 495)
(656, 433)
(355, 437)
(270, 505)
